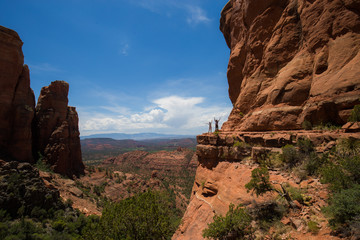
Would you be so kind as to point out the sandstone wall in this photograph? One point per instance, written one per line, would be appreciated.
(16, 98)
(52, 130)
(290, 61)
(56, 132)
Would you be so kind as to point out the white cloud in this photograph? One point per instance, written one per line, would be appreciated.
(194, 13)
(125, 49)
(173, 114)
(43, 67)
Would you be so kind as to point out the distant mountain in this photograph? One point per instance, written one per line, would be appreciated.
(137, 136)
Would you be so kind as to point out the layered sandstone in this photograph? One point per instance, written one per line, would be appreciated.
(291, 61)
(57, 135)
(16, 98)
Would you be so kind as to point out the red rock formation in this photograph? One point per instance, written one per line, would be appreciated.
(290, 61)
(56, 130)
(16, 98)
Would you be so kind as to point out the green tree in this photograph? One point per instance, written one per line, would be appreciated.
(235, 225)
(149, 215)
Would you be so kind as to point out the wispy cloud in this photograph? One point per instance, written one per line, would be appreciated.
(194, 14)
(125, 49)
(173, 114)
(43, 67)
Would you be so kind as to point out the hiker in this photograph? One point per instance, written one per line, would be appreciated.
(216, 124)
(210, 127)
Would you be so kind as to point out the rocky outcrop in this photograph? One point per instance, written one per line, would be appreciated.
(21, 186)
(16, 98)
(225, 164)
(57, 135)
(55, 132)
(291, 61)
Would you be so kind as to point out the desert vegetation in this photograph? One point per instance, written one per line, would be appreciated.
(339, 169)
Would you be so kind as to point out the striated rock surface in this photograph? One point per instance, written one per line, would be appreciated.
(16, 98)
(291, 61)
(56, 130)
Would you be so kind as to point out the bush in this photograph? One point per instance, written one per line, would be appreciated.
(289, 155)
(305, 146)
(345, 206)
(235, 225)
(355, 114)
(149, 215)
(306, 125)
(313, 227)
(260, 181)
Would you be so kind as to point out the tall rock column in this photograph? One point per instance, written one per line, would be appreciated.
(56, 131)
(17, 101)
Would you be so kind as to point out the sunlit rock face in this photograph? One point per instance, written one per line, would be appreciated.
(56, 130)
(290, 61)
(17, 101)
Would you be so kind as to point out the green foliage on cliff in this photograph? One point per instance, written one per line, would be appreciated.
(150, 215)
(260, 181)
(355, 114)
(235, 225)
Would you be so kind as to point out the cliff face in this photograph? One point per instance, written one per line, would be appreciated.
(55, 129)
(16, 97)
(290, 61)
(57, 135)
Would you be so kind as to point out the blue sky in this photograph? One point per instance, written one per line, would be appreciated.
(133, 66)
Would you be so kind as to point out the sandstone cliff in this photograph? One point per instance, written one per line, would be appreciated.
(290, 61)
(54, 132)
(16, 98)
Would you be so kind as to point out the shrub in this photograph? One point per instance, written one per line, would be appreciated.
(260, 181)
(235, 225)
(314, 163)
(355, 114)
(149, 215)
(306, 125)
(289, 155)
(313, 227)
(305, 146)
(345, 206)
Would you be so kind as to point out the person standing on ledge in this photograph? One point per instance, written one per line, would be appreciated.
(216, 124)
(210, 127)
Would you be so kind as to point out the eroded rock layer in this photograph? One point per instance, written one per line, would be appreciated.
(57, 135)
(291, 61)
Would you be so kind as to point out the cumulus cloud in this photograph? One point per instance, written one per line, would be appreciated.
(173, 114)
